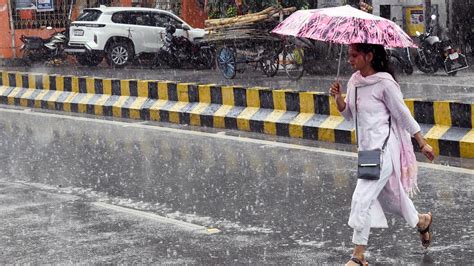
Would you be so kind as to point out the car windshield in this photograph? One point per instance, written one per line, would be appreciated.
(89, 15)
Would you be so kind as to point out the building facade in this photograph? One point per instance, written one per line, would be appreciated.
(24, 17)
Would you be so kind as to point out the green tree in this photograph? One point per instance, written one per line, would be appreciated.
(227, 8)
(259, 5)
(299, 4)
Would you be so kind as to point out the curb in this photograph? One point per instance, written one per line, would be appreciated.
(447, 125)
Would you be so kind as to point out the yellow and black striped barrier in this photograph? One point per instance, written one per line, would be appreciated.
(310, 115)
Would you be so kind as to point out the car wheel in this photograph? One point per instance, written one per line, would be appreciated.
(89, 60)
(95, 60)
(119, 54)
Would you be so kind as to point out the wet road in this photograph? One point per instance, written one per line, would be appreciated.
(437, 86)
(275, 203)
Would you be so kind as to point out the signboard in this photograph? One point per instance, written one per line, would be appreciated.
(38, 5)
(25, 4)
(44, 5)
(329, 3)
(414, 19)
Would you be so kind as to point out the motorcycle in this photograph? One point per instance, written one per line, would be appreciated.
(177, 51)
(401, 57)
(36, 49)
(434, 53)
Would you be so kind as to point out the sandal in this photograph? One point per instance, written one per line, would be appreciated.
(360, 262)
(426, 242)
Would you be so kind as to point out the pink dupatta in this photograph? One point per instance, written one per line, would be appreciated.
(408, 164)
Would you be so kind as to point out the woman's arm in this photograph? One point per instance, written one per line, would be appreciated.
(393, 98)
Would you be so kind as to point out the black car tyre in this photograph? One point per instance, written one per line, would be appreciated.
(95, 60)
(119, 54)
(89, 60)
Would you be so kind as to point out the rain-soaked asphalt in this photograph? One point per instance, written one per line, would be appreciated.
(275, 203)
(437, 86)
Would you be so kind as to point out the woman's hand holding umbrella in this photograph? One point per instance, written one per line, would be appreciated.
(335, 91)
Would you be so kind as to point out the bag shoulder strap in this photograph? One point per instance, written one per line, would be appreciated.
(357, 125)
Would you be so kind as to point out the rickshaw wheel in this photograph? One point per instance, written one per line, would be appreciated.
(270, 65)
(226, 62)
(293, 61)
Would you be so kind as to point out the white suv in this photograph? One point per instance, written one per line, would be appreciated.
(121, 33)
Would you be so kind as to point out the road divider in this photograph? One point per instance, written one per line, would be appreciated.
(447, 125)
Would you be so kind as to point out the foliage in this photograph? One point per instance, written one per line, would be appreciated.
(259, 5)
(227, 8)
(231, 11)
(299, 4)
(213, 14)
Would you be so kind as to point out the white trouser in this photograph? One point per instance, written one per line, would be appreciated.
(370, 193)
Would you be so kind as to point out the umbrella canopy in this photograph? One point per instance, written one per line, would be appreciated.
(344, 25)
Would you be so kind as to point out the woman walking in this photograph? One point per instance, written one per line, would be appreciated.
(375, 97)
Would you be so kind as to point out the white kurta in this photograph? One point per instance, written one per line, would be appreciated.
(379, 98)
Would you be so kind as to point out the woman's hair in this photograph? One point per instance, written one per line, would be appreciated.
(380, 62)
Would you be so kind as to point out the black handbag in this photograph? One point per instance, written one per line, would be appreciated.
(369, 163)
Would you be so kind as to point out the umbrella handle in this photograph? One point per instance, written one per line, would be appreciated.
(339, 64)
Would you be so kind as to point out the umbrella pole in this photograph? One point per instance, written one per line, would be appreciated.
(339, 64)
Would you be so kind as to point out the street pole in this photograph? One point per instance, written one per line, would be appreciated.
(427, 13)
(12, 28)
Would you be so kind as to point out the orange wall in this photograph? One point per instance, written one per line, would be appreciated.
(6, 50)
(5, 33)
(43, 33)
(192, 14)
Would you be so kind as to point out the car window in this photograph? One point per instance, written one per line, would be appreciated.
(140, 18)
(89, 15)
(133, 18)
(161, 20)
(120, 17)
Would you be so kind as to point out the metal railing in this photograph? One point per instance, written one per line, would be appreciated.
(57, 18)
(170, 5)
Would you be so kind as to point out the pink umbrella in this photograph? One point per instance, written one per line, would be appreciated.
(344, 25)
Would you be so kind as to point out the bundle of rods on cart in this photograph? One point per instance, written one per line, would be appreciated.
(247, 39)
